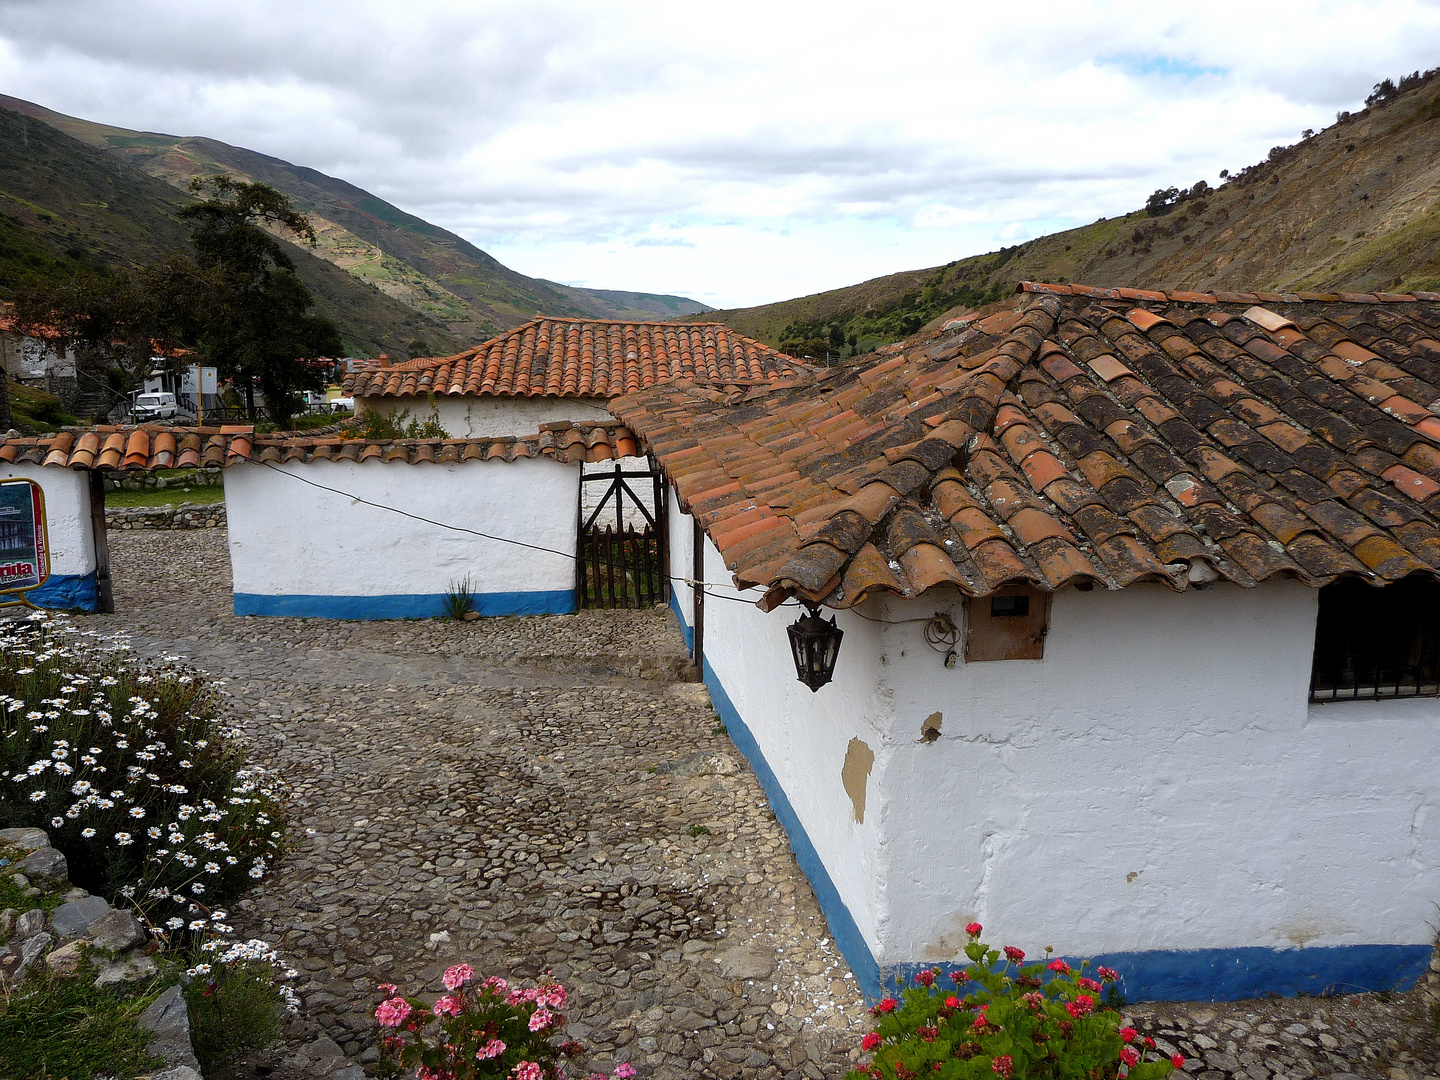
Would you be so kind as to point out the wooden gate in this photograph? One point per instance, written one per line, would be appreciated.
(622, 560)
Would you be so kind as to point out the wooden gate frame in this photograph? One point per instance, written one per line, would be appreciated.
(657, 523)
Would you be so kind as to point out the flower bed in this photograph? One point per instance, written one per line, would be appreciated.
(127, 766)
(1004, 1018)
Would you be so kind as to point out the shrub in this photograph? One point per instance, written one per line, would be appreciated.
(460, 598)
(128, 768)
(236, 999)
(483, 1029)
(1006, 1019)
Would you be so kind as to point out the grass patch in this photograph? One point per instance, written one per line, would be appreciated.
(459, 598)
(66, 1028)
(699, 830)
(205, 494)
(32, 410)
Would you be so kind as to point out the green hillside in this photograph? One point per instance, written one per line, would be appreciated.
(424, 267)
(65, 205)
(1355, 207)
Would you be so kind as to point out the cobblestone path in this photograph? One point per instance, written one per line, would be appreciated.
(506, 792)
(533, 794)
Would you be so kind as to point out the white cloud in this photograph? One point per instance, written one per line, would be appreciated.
(738, 153)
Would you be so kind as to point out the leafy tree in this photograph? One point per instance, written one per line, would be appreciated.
(237, 302)
(253, 321)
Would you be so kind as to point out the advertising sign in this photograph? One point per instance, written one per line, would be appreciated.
(24, 546)
(204, 377)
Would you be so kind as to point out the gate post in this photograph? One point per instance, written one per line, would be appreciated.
(103, 583)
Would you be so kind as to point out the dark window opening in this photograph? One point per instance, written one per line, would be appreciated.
(1009, 606)
(1377, 643)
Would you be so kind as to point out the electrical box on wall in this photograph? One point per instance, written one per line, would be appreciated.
(1009, 624)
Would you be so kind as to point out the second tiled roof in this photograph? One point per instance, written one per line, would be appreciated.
(586, 358)
(155, 447)
(1083, 436)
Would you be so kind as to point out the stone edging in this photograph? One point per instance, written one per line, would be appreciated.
(185, 516)
(88, 920)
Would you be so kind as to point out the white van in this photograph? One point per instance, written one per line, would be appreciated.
(153, 407)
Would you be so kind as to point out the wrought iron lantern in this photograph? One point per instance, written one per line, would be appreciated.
(816, 644)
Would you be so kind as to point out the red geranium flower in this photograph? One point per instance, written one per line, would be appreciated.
(1127, 1034)
(1178, 1060)
(886, 1005)
(973, 929)
(870, 1041)
(952, 1002)
(925, 978)
(1013, 954)
(1129, 1055)
(1003, 1065)
(1058, 965)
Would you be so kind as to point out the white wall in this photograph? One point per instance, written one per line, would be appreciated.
(1158, 781)
(802, 736)
(67, 516)
(476, 416)
(1166, 737)
(288, 537)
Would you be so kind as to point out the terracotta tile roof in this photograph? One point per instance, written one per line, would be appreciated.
(1081, 436)
(586, 358)
(154, 447)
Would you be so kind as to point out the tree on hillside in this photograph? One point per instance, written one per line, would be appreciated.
(237, 303)
(253, 320)
(119, 325)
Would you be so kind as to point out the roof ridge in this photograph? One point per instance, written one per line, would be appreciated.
(1183, 296)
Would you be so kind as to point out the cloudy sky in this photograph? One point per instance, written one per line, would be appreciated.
(737, 152)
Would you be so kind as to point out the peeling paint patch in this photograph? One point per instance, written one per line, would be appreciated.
(859, 760)
(930, 727)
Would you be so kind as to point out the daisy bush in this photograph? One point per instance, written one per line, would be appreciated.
(1009, 1020)
(479, 1029)
(128, 767)
(237, 996)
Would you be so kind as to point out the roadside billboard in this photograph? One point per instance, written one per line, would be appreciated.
(24, 544)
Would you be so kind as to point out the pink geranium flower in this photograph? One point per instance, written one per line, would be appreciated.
(554, 996)
(624, 1070)
(541, 1019)
(492, 1049)
(392, 1012)
(457, 976)
(446, 1006)
(527, 1070)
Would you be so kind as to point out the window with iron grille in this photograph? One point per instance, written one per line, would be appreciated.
(1377, 643)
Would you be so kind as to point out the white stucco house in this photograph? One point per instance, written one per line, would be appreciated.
(329, 527)
(1141, 640)
(555, 369)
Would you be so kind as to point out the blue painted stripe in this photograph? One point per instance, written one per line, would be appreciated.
(1240, 973)
(685, 629)
(402, 605)
(67, 592)
(1151, 975)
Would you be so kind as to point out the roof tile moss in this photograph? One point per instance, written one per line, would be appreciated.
(1090, 434)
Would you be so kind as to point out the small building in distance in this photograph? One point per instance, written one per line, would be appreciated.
(549, 370)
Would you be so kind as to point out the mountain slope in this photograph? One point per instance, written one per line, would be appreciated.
(65, 205)
(405, 257)
(1355, 207)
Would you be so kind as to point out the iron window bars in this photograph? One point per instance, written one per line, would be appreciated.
(1377, 643)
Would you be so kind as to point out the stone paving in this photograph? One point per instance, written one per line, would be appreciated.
(523, 794)
(533, 794)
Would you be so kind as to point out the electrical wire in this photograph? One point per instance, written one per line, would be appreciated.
(502, 539)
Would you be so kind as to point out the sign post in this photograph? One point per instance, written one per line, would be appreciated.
(24, 542)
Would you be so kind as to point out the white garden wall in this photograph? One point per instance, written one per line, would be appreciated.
(72, 542)
(1156, 791)
(300, 549)
(487, 416)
